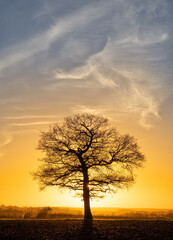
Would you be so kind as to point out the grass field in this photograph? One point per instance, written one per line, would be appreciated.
(69, 229)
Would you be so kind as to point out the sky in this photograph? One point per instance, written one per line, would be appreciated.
(112, 58)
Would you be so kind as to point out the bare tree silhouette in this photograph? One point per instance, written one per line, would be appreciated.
(87, 155)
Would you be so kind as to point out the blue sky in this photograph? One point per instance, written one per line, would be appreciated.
(110, 57)
(124, 47)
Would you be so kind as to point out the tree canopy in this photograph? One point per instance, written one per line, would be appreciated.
(87, 155)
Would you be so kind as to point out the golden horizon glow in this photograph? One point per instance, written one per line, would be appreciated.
(20, 189)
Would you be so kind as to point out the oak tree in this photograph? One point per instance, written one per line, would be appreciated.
(87, 155)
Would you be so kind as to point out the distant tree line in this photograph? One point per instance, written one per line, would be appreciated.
(13, 212)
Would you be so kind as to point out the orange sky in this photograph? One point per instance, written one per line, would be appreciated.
(112, 58)
(153, 187)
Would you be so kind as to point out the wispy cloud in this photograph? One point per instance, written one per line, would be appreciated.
(109, 52)
(44, 40)
(77, 73)
(142, 41)
(28, 117)
(133, 86)
(31, 123)
(6, 137)
(86, 109)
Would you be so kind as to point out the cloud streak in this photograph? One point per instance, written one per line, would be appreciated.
(31, 123)
(44, 40)
(28, 117)
(126, 81)
(106, 54)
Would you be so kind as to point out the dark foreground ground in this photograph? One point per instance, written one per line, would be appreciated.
(66, 230)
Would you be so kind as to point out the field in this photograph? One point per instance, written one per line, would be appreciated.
(74, 229)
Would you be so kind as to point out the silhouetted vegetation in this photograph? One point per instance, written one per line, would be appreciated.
(87, 155)
(43, 213)
(13, 212)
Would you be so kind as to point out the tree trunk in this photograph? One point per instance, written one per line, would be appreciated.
(86, 197)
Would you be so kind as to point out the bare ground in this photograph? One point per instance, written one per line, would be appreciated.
(69, 229)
